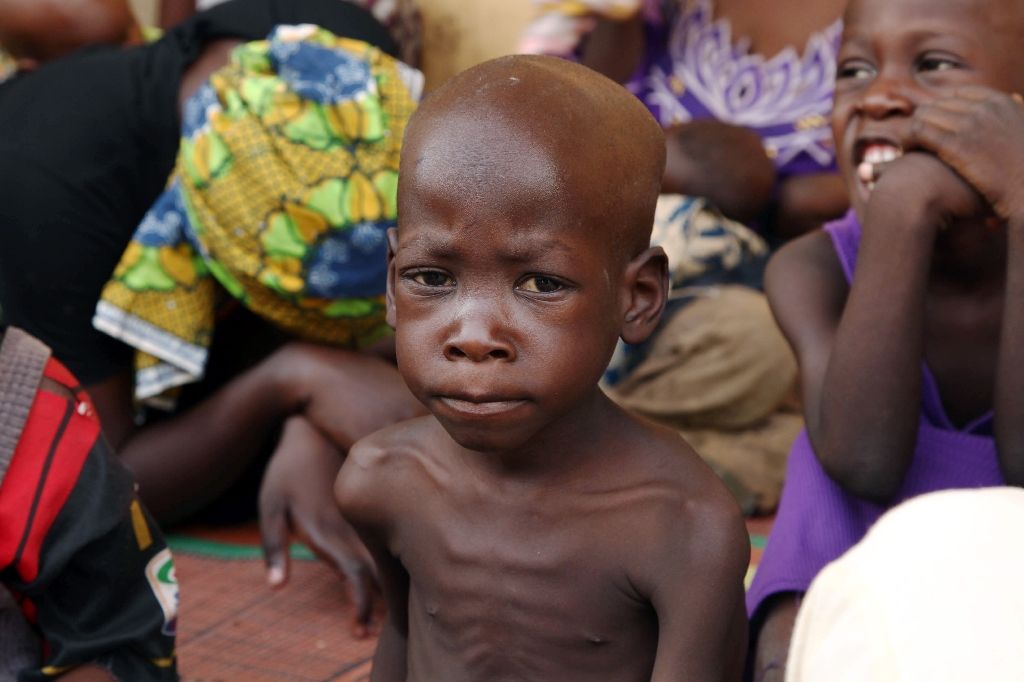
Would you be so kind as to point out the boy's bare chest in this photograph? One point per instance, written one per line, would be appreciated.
(504, 589)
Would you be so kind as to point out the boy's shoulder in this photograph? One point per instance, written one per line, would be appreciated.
(649, 447)
(687, 490)
(689, 518)
(399, 457)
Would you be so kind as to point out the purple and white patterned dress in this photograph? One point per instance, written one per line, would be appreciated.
(693, 69)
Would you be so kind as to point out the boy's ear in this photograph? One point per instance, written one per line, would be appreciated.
(645, 290)
(392, 236)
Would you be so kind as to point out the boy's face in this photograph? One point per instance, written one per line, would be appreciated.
(507, 302)
(899, 54)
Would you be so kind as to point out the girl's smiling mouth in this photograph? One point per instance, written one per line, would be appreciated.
(871, 156)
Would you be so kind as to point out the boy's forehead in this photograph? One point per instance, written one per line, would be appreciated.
(496, 180)
(474, 152)
(535, 104)
(494, 242)
(536, 139)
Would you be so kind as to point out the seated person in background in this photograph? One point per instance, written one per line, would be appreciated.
(400, 17)
(906, 315)
(719, 76)
(876, 614)
(743, 90)
(33, 32)
(283, 158)
(86, 564)
(529, 527)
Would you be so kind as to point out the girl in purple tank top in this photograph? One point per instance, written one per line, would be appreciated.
(907, 316)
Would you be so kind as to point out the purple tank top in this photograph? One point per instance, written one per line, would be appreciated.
(818, 521)
(693, 70)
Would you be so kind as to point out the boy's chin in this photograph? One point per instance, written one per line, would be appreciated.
(488, 440)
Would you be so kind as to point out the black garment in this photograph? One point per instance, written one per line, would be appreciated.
(86, 145)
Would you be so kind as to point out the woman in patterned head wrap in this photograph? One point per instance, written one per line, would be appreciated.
(223, 196)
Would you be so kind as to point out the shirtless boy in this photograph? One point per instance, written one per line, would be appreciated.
(528, 528)
(913, 372)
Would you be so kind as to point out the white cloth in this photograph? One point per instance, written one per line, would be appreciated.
(932, 593)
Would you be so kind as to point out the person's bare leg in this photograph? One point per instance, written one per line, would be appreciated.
(772, 644)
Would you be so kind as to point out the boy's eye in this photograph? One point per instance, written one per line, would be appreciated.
(539, 284)
(854, 69)
(431, 278)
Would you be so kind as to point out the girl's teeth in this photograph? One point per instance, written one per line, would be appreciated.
(876, 154)
(866, 172)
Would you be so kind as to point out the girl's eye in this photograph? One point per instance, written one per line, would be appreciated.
(854, 69)
(432, 278)
(936, 63)
(538, 284)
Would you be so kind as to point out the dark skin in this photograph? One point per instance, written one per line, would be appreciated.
(324, 392)
(542, 533)
(941, 266)
(173, 12)
(742, 181)
(324, 387)
(37, 31)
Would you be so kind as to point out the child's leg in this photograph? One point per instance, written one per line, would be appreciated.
(771, 640)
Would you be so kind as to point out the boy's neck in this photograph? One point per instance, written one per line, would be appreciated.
(556, 454)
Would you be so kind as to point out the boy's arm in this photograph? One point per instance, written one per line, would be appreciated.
(696, 587)
(364, 490)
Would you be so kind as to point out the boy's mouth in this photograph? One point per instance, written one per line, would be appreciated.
(480, 406)
(871, 156)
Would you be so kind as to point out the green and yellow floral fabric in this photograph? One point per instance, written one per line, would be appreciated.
(284, 187)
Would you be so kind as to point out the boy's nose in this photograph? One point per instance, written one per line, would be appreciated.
(477, 340)
(886, 97)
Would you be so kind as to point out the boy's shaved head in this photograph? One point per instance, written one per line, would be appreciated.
(585, 142)
(38, 31)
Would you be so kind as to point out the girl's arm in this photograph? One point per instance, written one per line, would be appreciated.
(860, 352)
(1009, 390)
